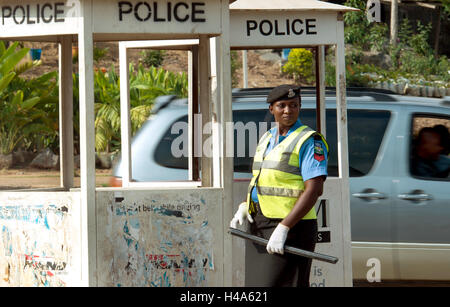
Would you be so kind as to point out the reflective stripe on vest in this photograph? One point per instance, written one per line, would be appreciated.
(277, 176)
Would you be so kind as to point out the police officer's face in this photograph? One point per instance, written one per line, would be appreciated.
(286, 111)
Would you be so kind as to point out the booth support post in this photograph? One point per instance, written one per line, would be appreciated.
(125, 126)
(215, 111)
(192, 111)
(342, 136)
(320, 60)
(87, 147)
(226, 116)
(66, 112)
(205, 109)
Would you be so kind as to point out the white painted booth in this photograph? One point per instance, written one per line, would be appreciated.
(258, 24)
(167, 234)
(284, 24)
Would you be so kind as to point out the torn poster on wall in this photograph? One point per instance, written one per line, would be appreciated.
(37, 240)
(159, 240)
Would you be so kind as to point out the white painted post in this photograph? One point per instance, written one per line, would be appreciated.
(66, 112)
(205, 107)
(190, 115)
(125, 125)
(193, 167)
(215, 111)
(87, 147)
(342, 140)
(227, 163)
(321, 57)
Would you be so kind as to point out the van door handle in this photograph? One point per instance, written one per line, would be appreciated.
(415, 197)
(369, 195)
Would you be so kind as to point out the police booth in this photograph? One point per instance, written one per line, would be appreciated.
(256, 25)
(142, 234)
(293, 24)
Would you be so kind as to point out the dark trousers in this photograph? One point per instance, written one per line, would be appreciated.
(277, 270)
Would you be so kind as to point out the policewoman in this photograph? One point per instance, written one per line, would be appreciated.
(289, 170)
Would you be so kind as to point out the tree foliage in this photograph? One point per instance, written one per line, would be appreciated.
(300, 65)
(145, 87)
(25, 105)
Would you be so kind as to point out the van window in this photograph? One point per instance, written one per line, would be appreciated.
(245, 121)
(366, 129)
(164, 155)
(430, 147)
(244, 130)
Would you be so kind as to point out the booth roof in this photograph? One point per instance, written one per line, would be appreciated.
(283, 5)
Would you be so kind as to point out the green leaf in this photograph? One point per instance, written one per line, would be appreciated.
(5, 80)
(30, 103)
(17, 99)
(11, 61)
(2, 48)
(11, 49)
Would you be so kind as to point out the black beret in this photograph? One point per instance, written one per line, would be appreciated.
(283, 92)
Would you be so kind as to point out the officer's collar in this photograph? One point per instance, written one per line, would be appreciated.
(294, 127)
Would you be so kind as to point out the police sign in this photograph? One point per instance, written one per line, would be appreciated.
(33, 17)
(33, 14)
(160, 16)
(167, 12)
(288, 28)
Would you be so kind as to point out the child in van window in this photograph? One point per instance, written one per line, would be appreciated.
(429, 158)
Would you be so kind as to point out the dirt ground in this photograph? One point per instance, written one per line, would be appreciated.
(12, 179)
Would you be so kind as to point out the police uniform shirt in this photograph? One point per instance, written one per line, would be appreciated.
(312, 156)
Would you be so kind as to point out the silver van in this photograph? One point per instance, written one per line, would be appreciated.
(397, 217)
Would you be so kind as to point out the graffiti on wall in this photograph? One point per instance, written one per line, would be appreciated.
(160, 241)
(35, 243)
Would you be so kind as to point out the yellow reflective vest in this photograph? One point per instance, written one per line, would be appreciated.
(277, 176)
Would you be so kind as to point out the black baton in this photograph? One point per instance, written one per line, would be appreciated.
(289, 249)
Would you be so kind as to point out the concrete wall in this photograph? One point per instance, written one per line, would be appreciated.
(40, 239)
(160, 238)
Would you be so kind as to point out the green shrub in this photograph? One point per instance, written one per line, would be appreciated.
(356, 25)
(443, 68)
(100, 53)
(446, 6)
(354, 73)
(419, 41)
(330, 74)
(24, 104)
(379, 37)
(152, 58)
(300, 65)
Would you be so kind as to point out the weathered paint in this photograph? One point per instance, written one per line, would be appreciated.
(159, 238)
(39, 242)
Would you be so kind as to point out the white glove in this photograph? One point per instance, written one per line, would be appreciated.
(277, 239)
(240, 215)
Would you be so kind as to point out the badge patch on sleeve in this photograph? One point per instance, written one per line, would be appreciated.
(318, 152)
